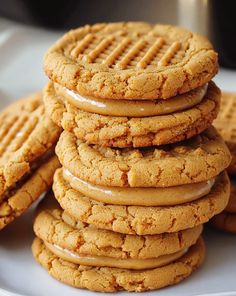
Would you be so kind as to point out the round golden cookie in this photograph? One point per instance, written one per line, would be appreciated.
(26, 134)
(57, 227)
(105, 279)
(195, 160)
(226, 124)
(131, 60)
(27, 160)
(121, 132)
(141, 220)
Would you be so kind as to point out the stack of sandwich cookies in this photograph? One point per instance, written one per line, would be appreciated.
(143, 191)
(27, 160)
(226, 124)
(140, 159)
(167, 216)
(132, 84)
(87, 257)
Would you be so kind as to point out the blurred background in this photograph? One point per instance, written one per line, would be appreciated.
(213, 18)
(29, 27)
(66, 14)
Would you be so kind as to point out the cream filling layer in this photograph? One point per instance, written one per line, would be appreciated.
(134, 108)
(137, 264)
(143, 196)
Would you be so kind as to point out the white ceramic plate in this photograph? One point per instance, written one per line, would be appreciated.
(20, 275)
(21, 52)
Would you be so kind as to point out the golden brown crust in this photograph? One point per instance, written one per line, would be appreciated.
(137, 132)
(55, 226)
(106, 279)
(226, 123)
(149, 167)
(89, 60)
(26, 133)
(137, 219)
(30, 191)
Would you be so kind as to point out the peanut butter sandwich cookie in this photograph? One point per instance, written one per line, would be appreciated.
(106, 261)
(227, 219)
(133, 60)
(143, 191)
(27, 160)
(226, 124)
(131, 84)
(154, 123)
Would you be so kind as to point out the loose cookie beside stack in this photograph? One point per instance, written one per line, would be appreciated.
(130, 212)
(27, 159)
(226, 123)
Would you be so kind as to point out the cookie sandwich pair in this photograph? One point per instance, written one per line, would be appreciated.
(142, 167)
(226, 123)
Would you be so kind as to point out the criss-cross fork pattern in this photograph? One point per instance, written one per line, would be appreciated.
(122, 51)
(226, 120)
(16, 128)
